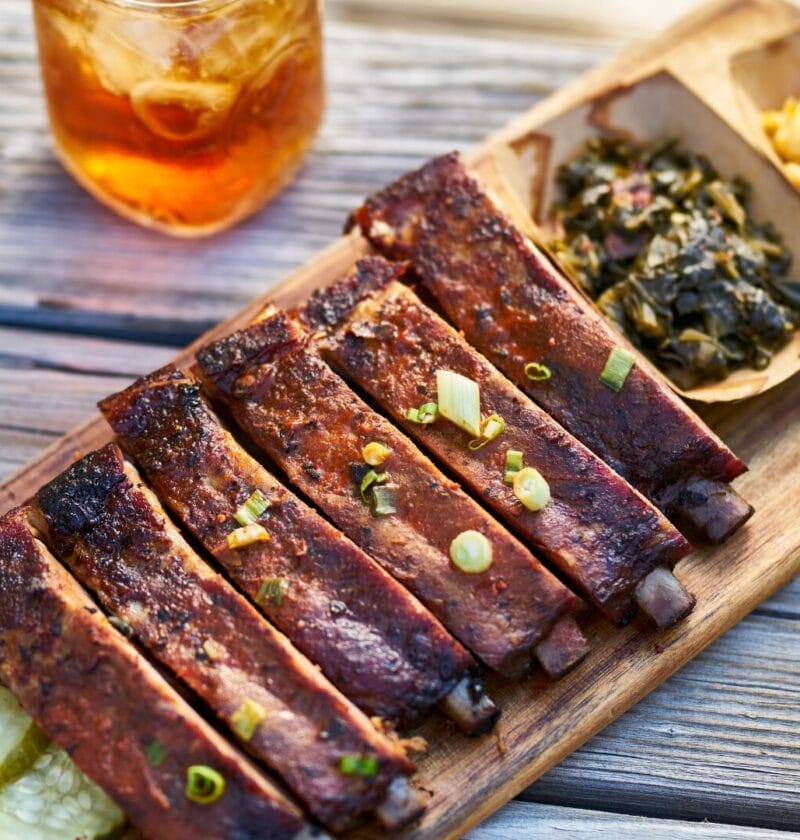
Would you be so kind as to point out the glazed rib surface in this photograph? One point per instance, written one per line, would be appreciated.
(515, 308)
(100, 700)
(111, 532)
(315, 427)
(371, 638)
(603, 535)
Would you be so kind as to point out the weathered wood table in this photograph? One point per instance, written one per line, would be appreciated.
(88, 301)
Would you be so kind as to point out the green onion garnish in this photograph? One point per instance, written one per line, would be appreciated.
(531, 488)
(156, 753)
(618, 366)
(369, 479)
(493, 426)
(247, 536)
(274, 589)
(459, 401)
(353, 764)
(247, 718)
(251, 510)
(424, 415)
(537, 372)
(375, 453)
(471, 552)
(385, 498)
(203, 784)
(513, 465)
(121, 625)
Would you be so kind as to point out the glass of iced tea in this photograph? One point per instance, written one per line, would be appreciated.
(186, 115)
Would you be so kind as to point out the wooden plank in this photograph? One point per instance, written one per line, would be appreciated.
(72, 354)
(522, 820)
(720, 740)
(95, 273)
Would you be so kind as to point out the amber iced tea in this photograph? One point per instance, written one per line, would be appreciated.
(185, 116)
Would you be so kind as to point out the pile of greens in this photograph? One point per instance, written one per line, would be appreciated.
(667, 249)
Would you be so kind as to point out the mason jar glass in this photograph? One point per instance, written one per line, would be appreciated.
(186, 115)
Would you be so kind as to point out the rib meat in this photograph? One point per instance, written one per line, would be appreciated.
(371, 638)
(311, 424)
(100, 700)
(515, 308)
(114, 536)
(596, 529)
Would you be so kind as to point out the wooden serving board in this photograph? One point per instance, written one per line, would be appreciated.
(544, 722)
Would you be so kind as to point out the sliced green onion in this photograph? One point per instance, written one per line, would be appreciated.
(459, 401)
(531, 488)
(214, 650)
(537, 371)
(424, 415)
(274, 589)
(251, 510)
(618, 366)
(471, 552)
(369, 479)
(354, 764)
(247, 718)
(121, 625)
(513, 465)
(248, 535)
(375, 453)
(203, 784)
(493, 426)
(156, 753)
(385, 498)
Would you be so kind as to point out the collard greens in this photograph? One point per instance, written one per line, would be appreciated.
(669, 252)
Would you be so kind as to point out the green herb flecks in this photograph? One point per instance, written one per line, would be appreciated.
(359, 765)
(537, 372)
(670, 253)
(274, 589)
(249, 512)
(204, 785)
(156, 753)
(247, 718)
(618, 365)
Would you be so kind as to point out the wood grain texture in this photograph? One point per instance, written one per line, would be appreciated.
(392, 101)
(521, 821)
(733, 749)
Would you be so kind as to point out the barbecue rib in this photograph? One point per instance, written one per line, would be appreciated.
(315, 428)
(372, 639)
(123, 725)
(515, 308)
(596, 529)
(112, 533)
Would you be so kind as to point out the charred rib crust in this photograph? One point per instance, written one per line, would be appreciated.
(602, 534)
(96, 697)
(315, 427)
(212, 638)
(225, 359)
(515, 308)
(328, 306)
(371, 638)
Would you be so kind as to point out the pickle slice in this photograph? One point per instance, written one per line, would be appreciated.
(21, 740)
(43, 795)
(55, 801)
